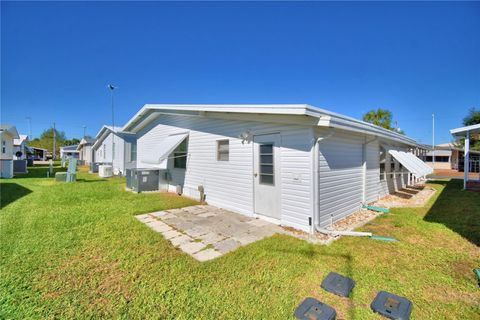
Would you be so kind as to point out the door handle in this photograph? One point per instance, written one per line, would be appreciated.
(255, 174)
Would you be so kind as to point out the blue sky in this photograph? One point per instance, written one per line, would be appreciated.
(412, 58)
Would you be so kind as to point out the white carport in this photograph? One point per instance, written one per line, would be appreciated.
(468, 132)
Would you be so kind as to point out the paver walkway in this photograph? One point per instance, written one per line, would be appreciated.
(207, 232)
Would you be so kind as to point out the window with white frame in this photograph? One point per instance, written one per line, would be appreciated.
(180, 156)
(223, 150)
(133, 151)
(382, 159)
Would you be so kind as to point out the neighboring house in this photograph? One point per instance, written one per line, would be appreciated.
(8, 134)
(20, 147)
(450, 156)
(122, 145)
(85, 150)
(39, 154)
(68, 152)
(295, 165)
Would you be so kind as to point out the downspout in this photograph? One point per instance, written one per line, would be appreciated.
(316, 215)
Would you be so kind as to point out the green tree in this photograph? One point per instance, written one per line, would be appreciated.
(46, 140)
(380, 117)
(70, 142)
(472, 118)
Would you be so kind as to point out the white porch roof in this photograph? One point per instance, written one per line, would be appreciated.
(159, 155)
(412, 163)
(474, 131)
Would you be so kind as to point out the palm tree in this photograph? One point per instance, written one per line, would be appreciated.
(380, 117)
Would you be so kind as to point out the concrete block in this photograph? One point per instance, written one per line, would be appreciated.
(192, 247)
(206, 255)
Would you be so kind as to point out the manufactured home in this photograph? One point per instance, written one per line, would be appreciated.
(20, 147)
(69, 152)
(84, 149)
(449, 156)
(39, 154)
(113, 146)
(8, 134)
(295, 165)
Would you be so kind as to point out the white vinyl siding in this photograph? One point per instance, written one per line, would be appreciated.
(373, 168)
(7, 146)
(229, 184)
(103, 153)
(340, 176)
(6, 168)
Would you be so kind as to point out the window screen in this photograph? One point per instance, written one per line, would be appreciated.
(266, 165)
(180, 156)
(133, 151)
(223, 150)
(382, 157)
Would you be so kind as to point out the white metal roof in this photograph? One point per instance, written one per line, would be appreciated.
(159, 155)
(10, 130)
(411, 162)
(103, 133)
(440, 152)
(19, 141)
(324, 117)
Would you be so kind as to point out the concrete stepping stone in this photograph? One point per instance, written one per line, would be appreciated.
(206, 255)
(211, 238)
(192, 247)
(159, 226)
(226, 245)
(196, 231)
(158, 214)
(171, 234)
(178, 241)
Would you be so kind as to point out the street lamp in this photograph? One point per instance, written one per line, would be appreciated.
(29, 126)
(111, 88)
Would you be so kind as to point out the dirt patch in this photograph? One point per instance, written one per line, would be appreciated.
(313, 238)
(447, 295)
(353, 221)
(100, 281)
(415, 196)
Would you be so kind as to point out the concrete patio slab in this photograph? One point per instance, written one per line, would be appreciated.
(207, 232)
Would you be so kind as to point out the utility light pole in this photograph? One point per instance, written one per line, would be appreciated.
(29, 127)
(433, 140)
(84, 130)
(111, 87)
(54, 141)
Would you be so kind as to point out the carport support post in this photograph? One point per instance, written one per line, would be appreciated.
(466, 162)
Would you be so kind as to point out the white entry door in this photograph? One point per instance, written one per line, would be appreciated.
(266, 173)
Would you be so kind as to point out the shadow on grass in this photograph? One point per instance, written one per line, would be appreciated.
(40, 172)
(11, 192)
(457, 209)
(309, 252)
(92, 180)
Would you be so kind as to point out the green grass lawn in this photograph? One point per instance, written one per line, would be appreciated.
(76, 251)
